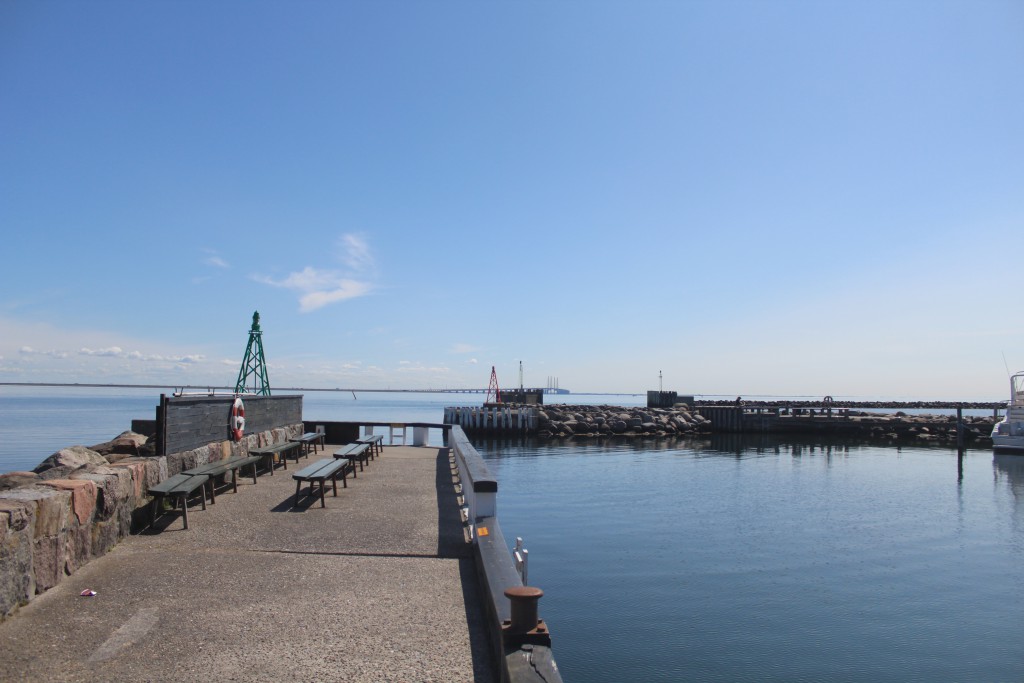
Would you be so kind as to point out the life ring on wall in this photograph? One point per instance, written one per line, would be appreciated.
(827, 400)
(236, 425)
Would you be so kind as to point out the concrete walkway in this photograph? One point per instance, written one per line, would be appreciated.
(377, 586)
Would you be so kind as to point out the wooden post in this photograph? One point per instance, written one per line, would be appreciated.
(959, 428)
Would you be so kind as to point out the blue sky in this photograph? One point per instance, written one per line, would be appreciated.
(795, 198)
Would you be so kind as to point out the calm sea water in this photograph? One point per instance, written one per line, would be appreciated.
(725, 560)
(710, 560)
(35, 422)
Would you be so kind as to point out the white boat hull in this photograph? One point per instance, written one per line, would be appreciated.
(1008, 443)
(1008, 434)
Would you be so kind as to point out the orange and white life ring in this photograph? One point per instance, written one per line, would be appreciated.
(237, 423)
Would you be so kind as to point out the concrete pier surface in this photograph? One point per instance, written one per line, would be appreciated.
(378, 586)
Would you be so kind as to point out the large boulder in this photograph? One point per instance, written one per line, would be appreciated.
(13, 480)
(124, 444)
(67, 460)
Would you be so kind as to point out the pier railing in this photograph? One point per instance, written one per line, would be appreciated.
(519, 638)
(507, 418)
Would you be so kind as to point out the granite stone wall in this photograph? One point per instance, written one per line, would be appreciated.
(79, 503)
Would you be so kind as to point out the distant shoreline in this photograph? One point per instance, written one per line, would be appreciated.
(701, 399)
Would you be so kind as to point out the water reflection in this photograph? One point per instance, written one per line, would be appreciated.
(1009, 470)
(757, 557)
(727, 444)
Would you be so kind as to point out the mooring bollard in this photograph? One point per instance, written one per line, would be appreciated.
(524, 608)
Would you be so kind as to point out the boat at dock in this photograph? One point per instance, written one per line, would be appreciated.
(1008, 434)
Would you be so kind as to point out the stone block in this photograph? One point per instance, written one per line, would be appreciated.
(108, 533)
(114, 488)
(83, 496)
(77, 547)
(155, 470)
(13, 480)
(17, 582)
(137, 472)
(48, 561)
(189, 459)
(52, 508)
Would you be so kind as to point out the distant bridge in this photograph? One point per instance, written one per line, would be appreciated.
(211, 389)
(547, 390)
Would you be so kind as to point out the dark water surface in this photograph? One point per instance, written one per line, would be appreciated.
(726, 561)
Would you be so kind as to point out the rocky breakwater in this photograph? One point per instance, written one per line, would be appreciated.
(566, 420)
(900, 427)
(75, 505)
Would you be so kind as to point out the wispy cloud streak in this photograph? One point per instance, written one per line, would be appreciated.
(318, 287)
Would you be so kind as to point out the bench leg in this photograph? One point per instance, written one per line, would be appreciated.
(334, 484)
(234, 480)
(152, 509)
(298, 485)
(323, 503)
(184, 508)
(254, 473)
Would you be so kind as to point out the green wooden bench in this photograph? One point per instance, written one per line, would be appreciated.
(181, 485)
(356, 452)
(374, 440)
(218, 467)
(281, 449)
(318, 473)
(310, 438)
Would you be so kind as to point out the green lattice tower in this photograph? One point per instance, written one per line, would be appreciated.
(253, 365)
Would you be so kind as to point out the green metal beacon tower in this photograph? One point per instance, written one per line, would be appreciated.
(253, 365)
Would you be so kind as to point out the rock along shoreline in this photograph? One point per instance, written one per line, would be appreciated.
(557, 421)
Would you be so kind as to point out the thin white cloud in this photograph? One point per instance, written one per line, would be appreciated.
(214, 259)
(356, 253)
(346, 289)
(472, 361)
(464, 348)
(118, 352)
(112, 352)
(422, 369)
(319, 287)
(52, 353)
